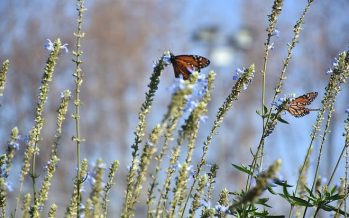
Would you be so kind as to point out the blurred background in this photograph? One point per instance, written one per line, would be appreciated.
(124, 37)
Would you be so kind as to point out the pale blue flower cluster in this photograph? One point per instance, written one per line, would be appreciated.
(276, 33)
(4, 174)
(199, 89)
(218, 208)
(3, 171)
(68, 92)
(286, 97)
(238, 73)
(49, 46)
(91, 176)
(190, 168)
(167, 57)
(178, 84)
(334, 65)
(221, 209)
(14, 145)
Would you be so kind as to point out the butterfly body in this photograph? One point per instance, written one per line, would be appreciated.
(297, 107)
(185, 65)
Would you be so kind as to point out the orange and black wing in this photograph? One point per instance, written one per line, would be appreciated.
(195, 61)
(186, 64)
(297, 106)
(297, 111)
(305, 99)
(181, 68)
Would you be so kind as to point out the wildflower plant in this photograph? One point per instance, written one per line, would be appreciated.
(165, 177)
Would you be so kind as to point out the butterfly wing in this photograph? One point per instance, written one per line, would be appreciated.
(181, 69)
(305, 99)
(297, 106)
(298, 111)
(186, 64)
(194, 61)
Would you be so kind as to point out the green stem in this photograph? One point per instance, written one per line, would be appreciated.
(78, 81)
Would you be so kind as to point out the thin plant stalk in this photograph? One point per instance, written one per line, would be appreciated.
(77, 102)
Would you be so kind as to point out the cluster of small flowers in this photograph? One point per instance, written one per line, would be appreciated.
(347, 110)
(334, 65)
(166, 58)
(286, 97)
(238, 73)
(66, 92)
(276, 33)
(190, 171)
(178, 84)
(221, 209)
(48, 164)
(49, 46)
(4, 174)
(91, 176)
(218, 208)
(190, 168)
(3, 171)
(199, 89)
(14, 144)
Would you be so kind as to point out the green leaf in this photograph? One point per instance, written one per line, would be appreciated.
(286, 194)
(334, 189)
(263, 201)
(243, 169)
(270, 189)
(332, 208)
(265, 110)
(282, 183)
(336, 197)
(300, 201)
(282, 120)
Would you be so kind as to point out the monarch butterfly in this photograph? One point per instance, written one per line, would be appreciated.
(297, 107)
(185, 64)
